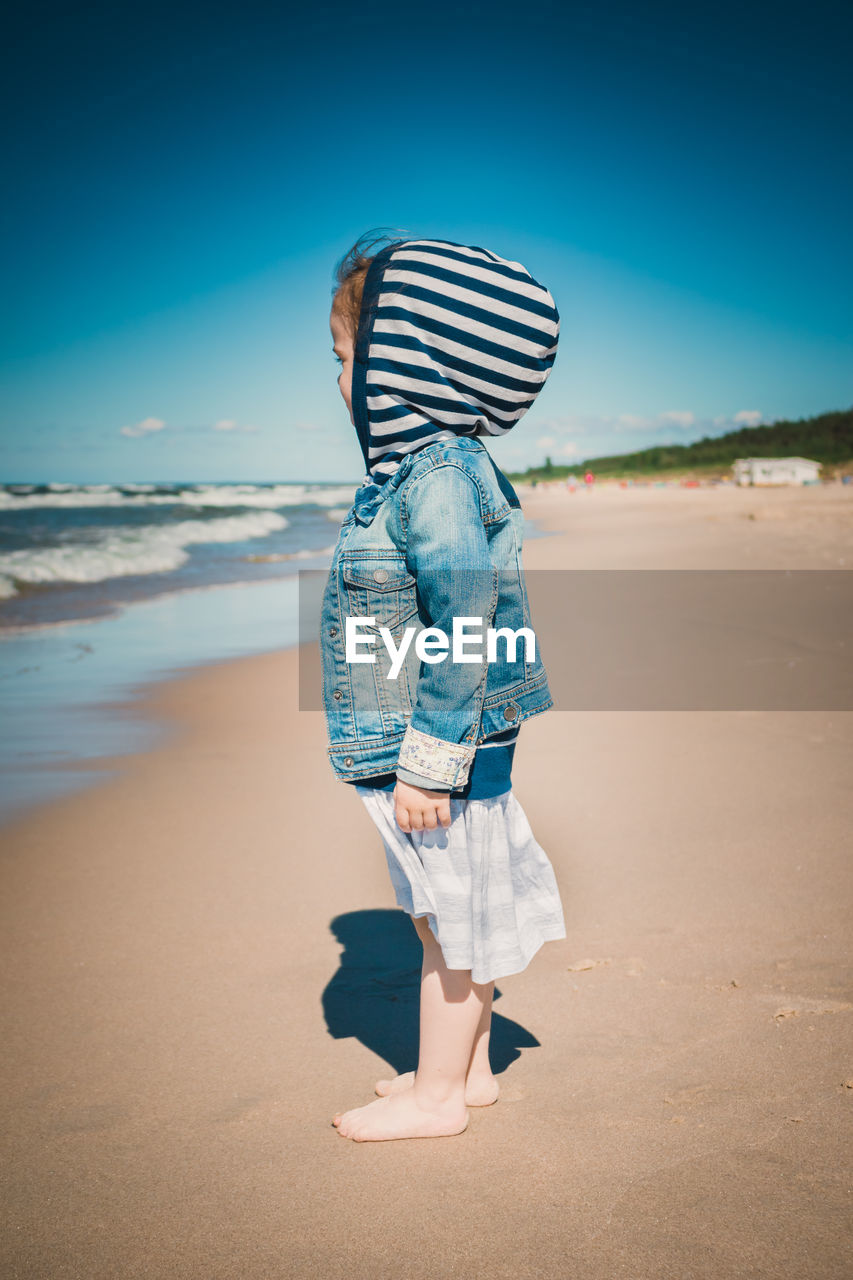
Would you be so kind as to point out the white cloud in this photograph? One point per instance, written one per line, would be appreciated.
(679, 417)
(307, 426)
(150, 425)
(143, 428)
(231, 424)
(560, 448)
(588, 434)
(591, 424)
(745, 418)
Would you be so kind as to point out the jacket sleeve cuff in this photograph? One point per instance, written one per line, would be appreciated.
(446, 763)
(418, 780)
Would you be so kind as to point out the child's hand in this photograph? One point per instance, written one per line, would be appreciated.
(417, 809)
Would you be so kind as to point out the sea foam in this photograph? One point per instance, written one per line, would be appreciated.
(20, 497)
(122, 551)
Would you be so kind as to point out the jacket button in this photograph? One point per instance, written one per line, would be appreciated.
(380, 575)
(333, 631)
(349, 762)
(511, 710)
(337, 695)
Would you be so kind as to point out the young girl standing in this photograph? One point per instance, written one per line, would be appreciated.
(439, 345)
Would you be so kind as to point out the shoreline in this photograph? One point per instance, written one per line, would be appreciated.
(73, 691)
(547, 509)
(269, 605)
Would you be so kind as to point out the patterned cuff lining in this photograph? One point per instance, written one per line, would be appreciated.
(444, 762)
(417, 780)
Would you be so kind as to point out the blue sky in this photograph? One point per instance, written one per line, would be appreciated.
(181, 182)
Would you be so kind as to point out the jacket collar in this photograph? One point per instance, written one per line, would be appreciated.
(369, 496)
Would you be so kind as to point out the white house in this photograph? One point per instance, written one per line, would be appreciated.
(776, 471)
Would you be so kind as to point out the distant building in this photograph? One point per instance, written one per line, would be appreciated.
(776, 471)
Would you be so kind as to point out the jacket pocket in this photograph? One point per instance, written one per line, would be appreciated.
(379, 586)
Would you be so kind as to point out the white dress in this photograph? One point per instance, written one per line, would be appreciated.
(485, 885)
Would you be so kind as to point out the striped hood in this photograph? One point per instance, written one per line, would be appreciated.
(452, 341)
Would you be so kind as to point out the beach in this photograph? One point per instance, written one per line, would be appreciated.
(204, 962)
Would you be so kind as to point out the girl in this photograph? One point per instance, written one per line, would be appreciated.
(439, 345)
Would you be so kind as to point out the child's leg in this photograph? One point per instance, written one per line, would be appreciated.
(479, 1068)
(451, 1010)
(481, 1087)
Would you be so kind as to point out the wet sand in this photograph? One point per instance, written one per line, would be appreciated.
(204, 962)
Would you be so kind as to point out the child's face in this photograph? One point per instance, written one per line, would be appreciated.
(343, 348)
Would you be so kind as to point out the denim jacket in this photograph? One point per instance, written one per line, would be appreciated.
(441, 538)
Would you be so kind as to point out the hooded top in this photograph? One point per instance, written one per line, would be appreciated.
(452, 340)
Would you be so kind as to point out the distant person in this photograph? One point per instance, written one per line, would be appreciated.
(430, 752)
(589, 481)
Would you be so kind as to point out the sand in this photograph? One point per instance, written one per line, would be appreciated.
(204, 962)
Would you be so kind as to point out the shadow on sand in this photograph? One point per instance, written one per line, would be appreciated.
(375, 994)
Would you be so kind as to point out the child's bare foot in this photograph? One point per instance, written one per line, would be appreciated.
(480, 1091)
(401, 1116)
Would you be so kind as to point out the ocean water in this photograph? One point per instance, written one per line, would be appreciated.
(106, 588)
(80, 551)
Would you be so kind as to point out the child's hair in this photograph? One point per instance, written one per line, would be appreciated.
(350, 272)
